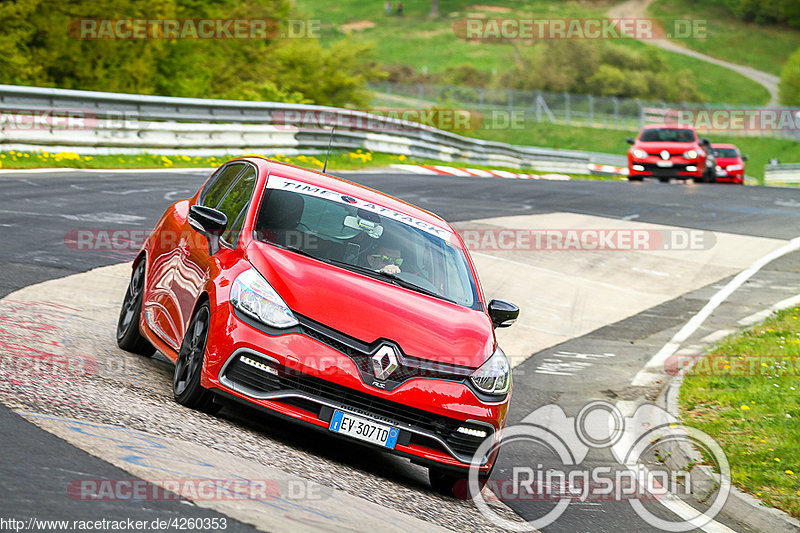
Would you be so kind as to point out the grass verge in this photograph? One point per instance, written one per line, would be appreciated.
(338, 161)
(746, 395)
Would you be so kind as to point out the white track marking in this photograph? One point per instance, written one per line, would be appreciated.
(653, 370)
(761, 315)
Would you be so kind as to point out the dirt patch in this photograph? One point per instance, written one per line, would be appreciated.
(359, 25)
(492, 9)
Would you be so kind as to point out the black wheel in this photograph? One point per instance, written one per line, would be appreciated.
(709, 175)
(452, 484)
(186, 381)
(129, 337)
(634, 178)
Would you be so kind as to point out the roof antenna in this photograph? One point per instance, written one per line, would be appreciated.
(324, 168)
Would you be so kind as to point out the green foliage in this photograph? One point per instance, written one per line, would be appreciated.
(769, 12)
(789, 86)
(36, 48)
(603, 68)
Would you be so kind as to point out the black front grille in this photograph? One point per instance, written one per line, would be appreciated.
(361, 352)
(257, 380)
(661, 171)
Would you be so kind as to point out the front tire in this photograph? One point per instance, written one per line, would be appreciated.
(129, 338)
(189, 365)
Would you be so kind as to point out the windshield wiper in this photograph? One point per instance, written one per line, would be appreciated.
(391, 278)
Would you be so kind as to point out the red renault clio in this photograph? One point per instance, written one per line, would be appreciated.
(328, 303)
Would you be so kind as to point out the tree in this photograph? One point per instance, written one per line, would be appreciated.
(789, 86)
(434, 9)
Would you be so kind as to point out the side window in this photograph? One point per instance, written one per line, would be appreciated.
(220, 185)
(234, 203)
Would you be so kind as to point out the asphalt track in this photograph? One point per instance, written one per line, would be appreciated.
(38, 210)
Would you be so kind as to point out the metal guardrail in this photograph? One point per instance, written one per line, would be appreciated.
(782, 173)
(130, 123)
(607, 112)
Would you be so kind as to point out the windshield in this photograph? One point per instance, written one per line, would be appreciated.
(725, 152)
(364, 237)
(675, 135)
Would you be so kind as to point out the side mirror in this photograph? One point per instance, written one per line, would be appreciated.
(209, 222)
(705, 142)
(629, 140)
(744, 158)
(502, 313)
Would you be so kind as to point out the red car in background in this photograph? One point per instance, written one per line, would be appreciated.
(329, 304)
(670, 151)
(730, 163)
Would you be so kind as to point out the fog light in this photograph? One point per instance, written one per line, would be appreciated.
(260, 366)
(691, 168)
(472, 432)
(638, 167)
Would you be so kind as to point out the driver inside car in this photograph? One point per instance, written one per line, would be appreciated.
(386, 259)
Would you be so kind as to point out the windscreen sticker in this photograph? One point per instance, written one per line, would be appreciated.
(275, 182)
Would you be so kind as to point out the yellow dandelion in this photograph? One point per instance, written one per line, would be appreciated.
(745, 407)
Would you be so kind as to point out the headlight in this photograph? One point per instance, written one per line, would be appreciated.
(691, 154)
(639, 154)
(494, 376)
(735, 167)
(252, 295)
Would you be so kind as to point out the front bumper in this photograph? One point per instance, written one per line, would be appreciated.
(305, 378)
(679, 167)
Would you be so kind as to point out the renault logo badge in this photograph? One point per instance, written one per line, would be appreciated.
(384, 362)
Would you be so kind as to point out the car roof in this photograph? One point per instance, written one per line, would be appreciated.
(668, 126)
(724, 146)
(343, 186)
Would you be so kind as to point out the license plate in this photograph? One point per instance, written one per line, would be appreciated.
(722, 173)
(363, 429)
(664, 164)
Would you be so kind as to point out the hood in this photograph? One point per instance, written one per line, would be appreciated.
(671, 147)
(724, 161)
(368, 309)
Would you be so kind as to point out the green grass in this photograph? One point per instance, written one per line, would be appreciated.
(338, 161)
(764, 47)
(746, 395)
(431, 45)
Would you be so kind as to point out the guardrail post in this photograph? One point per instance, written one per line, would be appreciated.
(566, 107)
(420, 94)
(591, 109)
(641, 112)
(616, 111)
